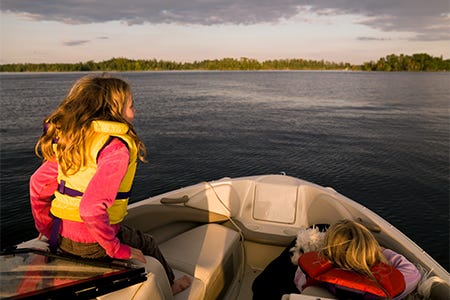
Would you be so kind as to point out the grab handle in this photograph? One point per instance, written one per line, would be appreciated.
(179, 200)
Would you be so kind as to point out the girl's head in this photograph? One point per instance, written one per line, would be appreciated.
(93, 97)
(351, 246)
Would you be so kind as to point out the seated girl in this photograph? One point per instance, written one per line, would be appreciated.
(352, 265)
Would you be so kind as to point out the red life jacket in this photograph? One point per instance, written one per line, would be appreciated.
(321, 270)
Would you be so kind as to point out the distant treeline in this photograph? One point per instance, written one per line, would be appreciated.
(415, 62)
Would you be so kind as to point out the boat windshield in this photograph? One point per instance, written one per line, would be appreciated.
(35, 273)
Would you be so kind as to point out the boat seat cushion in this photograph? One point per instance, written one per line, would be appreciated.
(157, 286)
(210, 253)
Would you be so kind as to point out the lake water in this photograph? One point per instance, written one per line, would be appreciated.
(381, 139)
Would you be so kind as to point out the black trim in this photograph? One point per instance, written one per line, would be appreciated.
(124, 276)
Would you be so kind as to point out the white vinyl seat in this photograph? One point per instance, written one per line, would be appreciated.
(210, 254)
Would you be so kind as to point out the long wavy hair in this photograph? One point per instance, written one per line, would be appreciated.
(92, 97)
(351, 246)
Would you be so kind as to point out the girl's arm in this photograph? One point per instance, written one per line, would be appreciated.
(112, 165)
(43, 184)
(299, 279)
(408, 269)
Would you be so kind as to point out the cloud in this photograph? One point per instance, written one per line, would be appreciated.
(75, 42)
(424, 19)
(204, 12)
(369, 38)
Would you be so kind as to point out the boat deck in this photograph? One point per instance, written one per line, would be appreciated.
(246, 287)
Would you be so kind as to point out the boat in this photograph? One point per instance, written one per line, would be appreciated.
(221, 233)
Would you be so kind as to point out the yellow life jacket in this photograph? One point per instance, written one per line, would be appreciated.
(66, 204)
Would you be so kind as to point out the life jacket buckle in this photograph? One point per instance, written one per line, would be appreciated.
(62, 187)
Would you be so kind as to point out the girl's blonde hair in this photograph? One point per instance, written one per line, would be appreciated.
(351, 246)
(91, 98)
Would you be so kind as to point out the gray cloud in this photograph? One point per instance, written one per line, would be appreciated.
(205, 12)
(369, 38)
(426, 20)
(75, 42)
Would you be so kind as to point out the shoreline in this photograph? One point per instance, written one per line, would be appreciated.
(418, 62)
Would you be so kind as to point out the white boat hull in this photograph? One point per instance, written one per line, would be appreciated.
(223, 233)
(268, 211)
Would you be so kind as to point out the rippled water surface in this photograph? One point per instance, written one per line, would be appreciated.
(381, 139)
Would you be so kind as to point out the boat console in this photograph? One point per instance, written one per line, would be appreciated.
(37, 274)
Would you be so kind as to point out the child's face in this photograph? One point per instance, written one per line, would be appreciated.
(128, 110)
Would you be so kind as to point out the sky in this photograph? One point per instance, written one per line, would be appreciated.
(354, 31)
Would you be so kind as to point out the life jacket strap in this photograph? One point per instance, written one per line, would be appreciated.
(63, 189)
(54, 234)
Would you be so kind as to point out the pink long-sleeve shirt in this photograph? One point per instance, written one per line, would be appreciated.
(112, 165)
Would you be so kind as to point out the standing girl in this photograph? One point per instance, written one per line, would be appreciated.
(90, 151)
